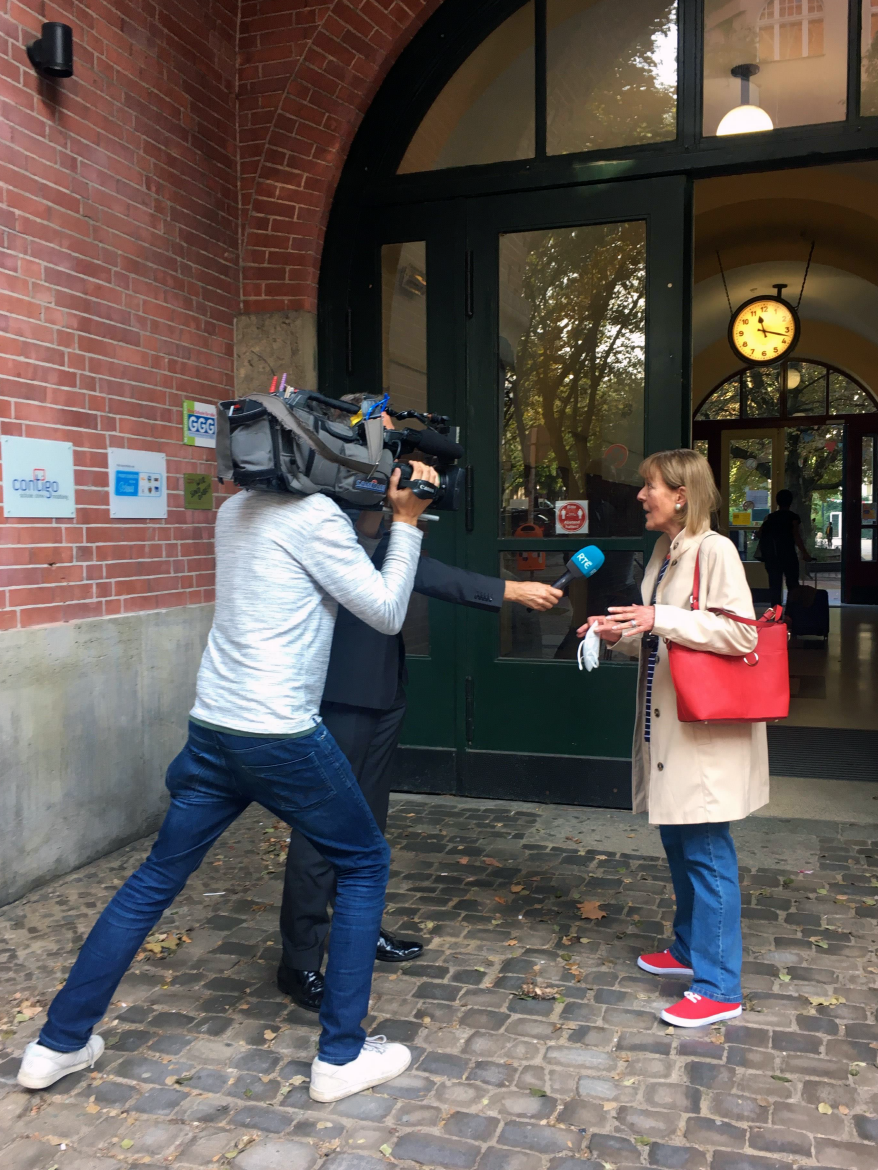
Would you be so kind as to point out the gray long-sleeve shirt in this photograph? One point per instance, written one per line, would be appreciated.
(283, 565)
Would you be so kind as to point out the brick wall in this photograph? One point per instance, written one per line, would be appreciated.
(123, 224)
(120, 283)
(296, 126)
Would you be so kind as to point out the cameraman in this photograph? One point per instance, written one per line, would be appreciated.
(283, 563)
(364, 704)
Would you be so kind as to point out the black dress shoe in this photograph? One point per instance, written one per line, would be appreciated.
(397, 950)
(305, 987)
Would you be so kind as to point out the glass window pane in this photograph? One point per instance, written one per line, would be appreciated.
(571, 370)
(845, 397)
(724, 402)
(806, 388)
(611, 74)
(762, 393)
(552, 635)
(814, 473)
(799, 48)
(749, 490)
(404, 370)
(869, 64)
(869, 530)
(404, 324)
(701, 446)
(485, 113)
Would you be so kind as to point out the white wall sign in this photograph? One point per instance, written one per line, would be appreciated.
(571, 516)
(138, 484)
(199, 424)
(38, 478)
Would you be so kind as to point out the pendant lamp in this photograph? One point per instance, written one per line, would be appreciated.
(745, 118)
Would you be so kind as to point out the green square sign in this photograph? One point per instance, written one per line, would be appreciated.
(197, 491)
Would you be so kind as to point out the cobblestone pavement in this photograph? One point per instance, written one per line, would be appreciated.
(207, 1063)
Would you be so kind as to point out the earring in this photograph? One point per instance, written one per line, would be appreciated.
(678, 507)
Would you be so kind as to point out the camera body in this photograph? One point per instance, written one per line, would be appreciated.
(302, 442)
(438, 443)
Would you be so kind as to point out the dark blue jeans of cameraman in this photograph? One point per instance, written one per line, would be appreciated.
(305, 781)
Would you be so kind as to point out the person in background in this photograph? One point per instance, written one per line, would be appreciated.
(692, 778)
(780, 542)
(363, 706)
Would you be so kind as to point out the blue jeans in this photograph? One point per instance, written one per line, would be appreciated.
(707, 924)
(306, 782)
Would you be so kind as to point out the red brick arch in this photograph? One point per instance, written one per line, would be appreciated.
(296, 126)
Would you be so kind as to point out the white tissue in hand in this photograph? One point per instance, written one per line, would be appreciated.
(589, 650)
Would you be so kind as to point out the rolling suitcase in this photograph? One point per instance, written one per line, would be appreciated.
(807, 612)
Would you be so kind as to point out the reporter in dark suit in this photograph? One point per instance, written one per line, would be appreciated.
(363, 707)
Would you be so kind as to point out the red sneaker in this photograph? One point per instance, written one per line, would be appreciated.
(694, 1011)
(663, 963)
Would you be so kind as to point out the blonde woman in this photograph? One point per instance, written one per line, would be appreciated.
(692, 778)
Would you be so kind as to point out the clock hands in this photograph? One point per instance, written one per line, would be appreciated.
(765, 332)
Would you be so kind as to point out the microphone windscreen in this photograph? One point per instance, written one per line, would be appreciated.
(587, 561)
(432, 443)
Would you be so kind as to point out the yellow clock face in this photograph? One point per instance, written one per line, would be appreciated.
(764, 330)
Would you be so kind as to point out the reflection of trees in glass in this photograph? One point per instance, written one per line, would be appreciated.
(869, 70)
(577, 379)
(762, 392)
(609, 83)
(729, 38)
(813, 466)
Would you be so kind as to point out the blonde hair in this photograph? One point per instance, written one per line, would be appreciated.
(685, 468)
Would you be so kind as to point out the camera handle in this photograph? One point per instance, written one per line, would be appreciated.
(421, 488)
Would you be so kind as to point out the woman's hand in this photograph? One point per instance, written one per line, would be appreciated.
(632, 620)
(606, 628)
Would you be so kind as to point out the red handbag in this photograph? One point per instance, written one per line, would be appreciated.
(714, 688)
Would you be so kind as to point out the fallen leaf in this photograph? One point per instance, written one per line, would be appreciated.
(517, 888)
(819, 942)
(844, 1110)
(823, 1001)
(126, 1143)
(269, 1035)
(462, 860)
(537, 1092)
(784, 976)
(299, 1080)
(386, 1150)
(591, 910)
(491, 861)
(92, 1108)
(530, 989)
(497, 898)
(763, 1101)
(512, 942)
(778, 1077)
(608, 1105)
(824, 1108)
(643, 1141)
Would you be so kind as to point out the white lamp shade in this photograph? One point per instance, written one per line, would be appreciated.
(745, 120)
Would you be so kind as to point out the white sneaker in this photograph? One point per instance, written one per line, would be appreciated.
(379, 1061)
(41, 1066)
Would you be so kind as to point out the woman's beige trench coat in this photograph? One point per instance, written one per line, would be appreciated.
(695, 772)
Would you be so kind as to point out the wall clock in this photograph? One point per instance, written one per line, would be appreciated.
(764, 330)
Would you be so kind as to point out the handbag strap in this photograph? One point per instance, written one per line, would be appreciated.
(771, 615)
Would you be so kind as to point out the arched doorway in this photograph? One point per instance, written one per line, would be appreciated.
(511, 245)
(811, 429)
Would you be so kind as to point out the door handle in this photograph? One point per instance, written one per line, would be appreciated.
(469, 512)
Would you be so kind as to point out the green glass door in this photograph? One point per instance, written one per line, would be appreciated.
(577, 365)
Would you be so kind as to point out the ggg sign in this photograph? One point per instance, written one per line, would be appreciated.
(199, 424)
(38, 478)
(571, 516)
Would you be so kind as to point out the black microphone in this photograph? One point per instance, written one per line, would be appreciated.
(432, 443)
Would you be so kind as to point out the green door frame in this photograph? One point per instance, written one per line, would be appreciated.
(576, 748)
